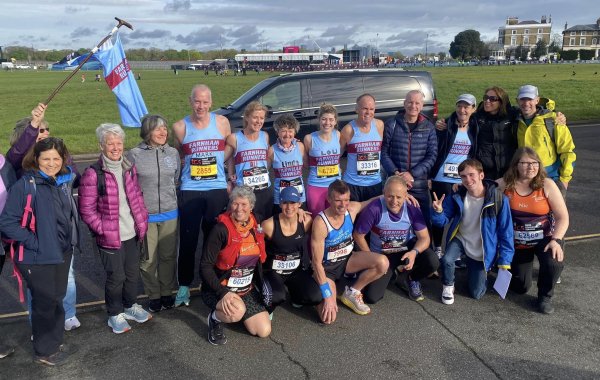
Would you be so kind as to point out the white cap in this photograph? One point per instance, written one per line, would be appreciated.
(528, 91)
(467, 98)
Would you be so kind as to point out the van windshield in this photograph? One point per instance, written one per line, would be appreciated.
(251, 93)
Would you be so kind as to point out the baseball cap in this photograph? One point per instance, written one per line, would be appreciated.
(467, 98)
(527, 91)
(289, 194)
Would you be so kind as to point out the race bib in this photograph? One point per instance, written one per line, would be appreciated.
(528, 238)
(367, 163)
(340, 251)
(240, 280)
(393, 246)
(328, 171)
(257, 177)
(296, 182)
(203, 168)
(451, 171)
(286, 264)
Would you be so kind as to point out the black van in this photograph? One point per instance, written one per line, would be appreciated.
(301, 94)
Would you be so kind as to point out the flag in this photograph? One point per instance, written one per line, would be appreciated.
(120, 79)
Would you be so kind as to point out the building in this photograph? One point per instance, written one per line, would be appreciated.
(517, 33)
(582, 37)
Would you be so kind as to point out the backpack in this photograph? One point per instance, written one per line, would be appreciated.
(101, 183)
(498, 200)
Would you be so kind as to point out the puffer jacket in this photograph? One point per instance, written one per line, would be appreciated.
(158, 174)
(496, 230)
(558, 154)
(413, 150)
(101, 213)
(56, 217)
(445, 140)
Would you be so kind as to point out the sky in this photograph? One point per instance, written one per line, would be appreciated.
(389, 25)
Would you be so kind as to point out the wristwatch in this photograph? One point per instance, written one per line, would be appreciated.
(560, 242)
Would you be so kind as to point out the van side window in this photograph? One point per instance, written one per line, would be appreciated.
(284, 97)
(390, 88)
(336, 91)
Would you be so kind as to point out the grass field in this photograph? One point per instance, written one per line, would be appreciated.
(77, 110)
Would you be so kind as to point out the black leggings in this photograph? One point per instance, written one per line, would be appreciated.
(426, 263)
(301, 285)
(522, 268)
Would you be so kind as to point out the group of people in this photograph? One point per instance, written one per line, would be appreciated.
(493, 176)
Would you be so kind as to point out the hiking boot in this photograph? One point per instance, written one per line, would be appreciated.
(155, 305)
(57, 358)
(414, 291)
(545, 305)
(136, 313)
(168, 302)
(72, 323)
(354, 300)
(118, 323)
(448, 294)
(5, 350)
(216, 335)
(438, 252)
(183, 296)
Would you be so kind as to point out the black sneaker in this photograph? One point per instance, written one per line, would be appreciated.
(6, 350)
(168, 302)
(545, 306)
(216, 335)
(58, 358)
(155, 306)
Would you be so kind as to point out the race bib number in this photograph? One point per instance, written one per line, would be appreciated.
(240, 279)
(528, 238)
(257, 177)
(296, 182)
(367, 163)
(203, 168)
(393, 246)
(451, 171)
(340, 251)
(328, 171)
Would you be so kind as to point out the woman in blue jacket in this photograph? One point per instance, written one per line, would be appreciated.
(47, 241)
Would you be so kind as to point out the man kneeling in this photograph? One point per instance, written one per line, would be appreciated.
(332, 256)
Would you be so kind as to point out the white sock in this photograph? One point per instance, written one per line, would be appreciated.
(214, 316)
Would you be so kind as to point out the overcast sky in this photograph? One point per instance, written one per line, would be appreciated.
(391, 25)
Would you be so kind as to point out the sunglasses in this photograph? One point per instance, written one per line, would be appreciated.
(43, 130)
(491, 98)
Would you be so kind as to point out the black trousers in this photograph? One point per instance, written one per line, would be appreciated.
(196, 208)
(122, 268)
(301, 285)
(364, 193)
(522, 270)
(263, 209)
(48, 286)
(426, 263)
(422, 196)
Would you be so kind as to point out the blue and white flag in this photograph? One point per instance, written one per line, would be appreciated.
(120, 79)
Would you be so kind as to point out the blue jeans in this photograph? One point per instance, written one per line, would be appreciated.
(70, 300)
(476, 274)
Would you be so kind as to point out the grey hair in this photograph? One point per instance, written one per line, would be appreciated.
(149, 124)
(286, 121)
(243, 192)
(415, 92)
(20, 128)
(201, 88)
(393, 180)
(105, 128)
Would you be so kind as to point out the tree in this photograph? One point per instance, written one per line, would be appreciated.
(467, 44)
(540, 49)
(555, 43)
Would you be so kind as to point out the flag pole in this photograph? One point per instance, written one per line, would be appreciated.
(94, 50)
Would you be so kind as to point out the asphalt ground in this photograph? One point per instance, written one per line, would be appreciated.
(489, 338)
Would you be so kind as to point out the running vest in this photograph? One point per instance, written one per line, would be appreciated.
(284, 253)
(458, 153)
(388, 236)
(532, 217)
(338, 243)
(251, 161)
(324, 160)
(204, 151)
(287, 167)
(364, 151)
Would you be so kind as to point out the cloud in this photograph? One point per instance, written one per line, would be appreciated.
(207, 37)
(70, 9)
(340, 30)
(153, 34)
(245, 36)
(178, 5)
(82, 32)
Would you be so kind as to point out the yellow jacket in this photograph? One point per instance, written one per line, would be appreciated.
(557, 155)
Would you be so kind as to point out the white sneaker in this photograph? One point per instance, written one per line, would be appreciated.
(438, 252)
(72, 323)
(354, 300)
(448, 294)
(136, 313)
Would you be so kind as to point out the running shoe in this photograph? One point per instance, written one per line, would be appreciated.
(216, 334)
(167, 302)
(438, 251)
(5, 350)
(72, 323)
(58, 358)
(354, 300)
(414, 291)
(183, 296)
(136, 313)
(448, 294)
(118, 323)
(155, 305)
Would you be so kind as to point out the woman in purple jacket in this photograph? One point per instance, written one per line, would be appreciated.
(111, 204)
